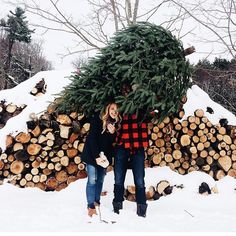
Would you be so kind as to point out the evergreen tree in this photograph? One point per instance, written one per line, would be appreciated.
(144, 56)
(17, 29)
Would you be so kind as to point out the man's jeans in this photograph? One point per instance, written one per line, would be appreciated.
(122, 157)
(94, 184)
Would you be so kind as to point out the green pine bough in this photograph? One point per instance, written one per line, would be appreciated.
(144, 56)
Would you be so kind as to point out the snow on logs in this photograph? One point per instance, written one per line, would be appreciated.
(48, 155)
(39, 89)
(8, 111)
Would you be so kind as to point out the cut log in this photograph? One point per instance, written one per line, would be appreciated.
(64, 161)
(199, 113)
(61, 176)
(177, 154)
(11, 108)
(72, 168)
(42, 139)
(81, 166)
(220, 174)
(72, 152)
(51, 183)
(18, 146)
(131, 189)
(156, 159)
(9, 141)
(64, 119)
(161, 186)
(36, 131)
(64, 131)
(1, 164)
(33, 149)
(71, 179)
(150, 193)
(61, 186)
(17, 167)
(23, 137)
(73, 137)
(185, 140)
(225, 162)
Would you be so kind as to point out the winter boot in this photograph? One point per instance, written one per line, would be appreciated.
(117, 206)
(141, 210)
(91, 212)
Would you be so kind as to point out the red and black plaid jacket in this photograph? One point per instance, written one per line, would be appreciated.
(132, 134)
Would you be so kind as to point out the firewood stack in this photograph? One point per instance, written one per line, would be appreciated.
(7, 111)
(193, 144)
(39, 89)
(48, 155)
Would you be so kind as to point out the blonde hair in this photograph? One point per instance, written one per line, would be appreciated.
(105, 117)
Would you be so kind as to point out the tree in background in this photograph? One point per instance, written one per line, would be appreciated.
(19, 57)
(144, 56)
(218, 80)
(17, 30)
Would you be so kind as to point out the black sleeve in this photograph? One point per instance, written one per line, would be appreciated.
(112, 137)
(95, 133)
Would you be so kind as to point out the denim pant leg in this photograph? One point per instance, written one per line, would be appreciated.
(120, 169)
(139, 174)
(91, 185)
(101, 172)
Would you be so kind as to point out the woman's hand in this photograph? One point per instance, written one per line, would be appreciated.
(111, 128)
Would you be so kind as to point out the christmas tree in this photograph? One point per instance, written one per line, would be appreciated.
(144, 57)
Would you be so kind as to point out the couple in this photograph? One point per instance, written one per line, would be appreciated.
(130, 137)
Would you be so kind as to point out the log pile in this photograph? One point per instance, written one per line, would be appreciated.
(48, 155)
(8, 111)
(39, 89)
(193, 144)
(162, 188)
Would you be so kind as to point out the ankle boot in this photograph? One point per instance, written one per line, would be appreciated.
(141, 210)
(91, 212)
(117, 206)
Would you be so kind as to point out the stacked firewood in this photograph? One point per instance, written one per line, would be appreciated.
(193, 144)
(39, 89)
(48, 155)
(8, 111)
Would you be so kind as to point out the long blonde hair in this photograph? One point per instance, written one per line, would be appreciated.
(105, 117)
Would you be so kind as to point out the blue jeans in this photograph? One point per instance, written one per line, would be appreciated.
(94, 184)
(122, 158)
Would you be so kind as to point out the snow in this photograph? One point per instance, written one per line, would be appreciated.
(198, 99)
(55, 81)
(185, 210)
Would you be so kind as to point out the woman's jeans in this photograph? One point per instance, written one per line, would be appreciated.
(94, 184)
(122, 159)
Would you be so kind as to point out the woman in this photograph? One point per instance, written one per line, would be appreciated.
(98, 152)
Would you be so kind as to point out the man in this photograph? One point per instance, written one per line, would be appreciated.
(132, 138)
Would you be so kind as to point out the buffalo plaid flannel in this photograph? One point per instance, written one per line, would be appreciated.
(132, 134)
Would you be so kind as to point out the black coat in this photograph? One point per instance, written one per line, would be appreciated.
(97, 141)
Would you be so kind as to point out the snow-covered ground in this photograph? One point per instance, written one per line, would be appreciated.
(185, 210)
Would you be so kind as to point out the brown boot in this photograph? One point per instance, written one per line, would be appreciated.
(91, 212)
